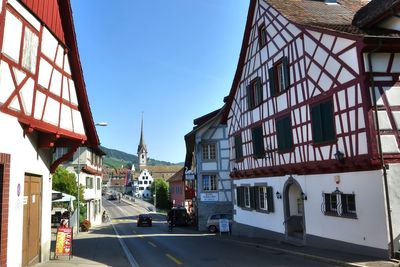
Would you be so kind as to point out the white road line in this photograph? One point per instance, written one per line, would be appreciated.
(128, 254)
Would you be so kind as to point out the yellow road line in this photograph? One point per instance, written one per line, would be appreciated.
(152, 244)
(178, 262)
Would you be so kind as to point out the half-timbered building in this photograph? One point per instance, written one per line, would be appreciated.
(313, 124)
(43, 105)
(207, 161)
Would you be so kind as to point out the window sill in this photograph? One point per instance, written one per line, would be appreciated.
(346, 215)
(263, 211)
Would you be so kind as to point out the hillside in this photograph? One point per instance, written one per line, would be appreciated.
(115, 158)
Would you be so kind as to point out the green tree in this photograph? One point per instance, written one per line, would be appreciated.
(162, 199)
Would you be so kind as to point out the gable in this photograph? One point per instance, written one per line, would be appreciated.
(41, 78)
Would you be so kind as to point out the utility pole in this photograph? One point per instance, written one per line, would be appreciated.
(79, 171)
(155, 196)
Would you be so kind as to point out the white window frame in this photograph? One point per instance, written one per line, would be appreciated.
(209, 151)
(247, 196)
(209, 182)
(263, 200)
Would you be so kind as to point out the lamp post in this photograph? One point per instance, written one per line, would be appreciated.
(155, 196)
(78, 182)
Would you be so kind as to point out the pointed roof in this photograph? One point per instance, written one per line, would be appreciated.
(142, 146)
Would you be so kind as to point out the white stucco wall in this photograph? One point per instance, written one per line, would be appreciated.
(24, 159)
(393, 174)
(370, 227)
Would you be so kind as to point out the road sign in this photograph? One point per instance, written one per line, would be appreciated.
(224, 226)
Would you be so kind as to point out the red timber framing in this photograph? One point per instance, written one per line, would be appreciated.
(60, 24)
(4, 205)
(347, 86)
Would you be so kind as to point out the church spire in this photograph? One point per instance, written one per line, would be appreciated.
(142, 148)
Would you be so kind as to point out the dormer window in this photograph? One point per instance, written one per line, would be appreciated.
(279, 77)
(262, 35)
(254, 93)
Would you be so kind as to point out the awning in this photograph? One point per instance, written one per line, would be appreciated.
(61, 197)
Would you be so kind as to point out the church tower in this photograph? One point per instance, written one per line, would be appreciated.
(142, 150)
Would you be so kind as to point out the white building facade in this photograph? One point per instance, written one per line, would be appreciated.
(305, 129)
(43, 105)
(144, 184)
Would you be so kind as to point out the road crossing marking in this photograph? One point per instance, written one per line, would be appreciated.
(178, 262)
(152, 244)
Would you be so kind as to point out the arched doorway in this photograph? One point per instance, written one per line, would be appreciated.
(293, 201)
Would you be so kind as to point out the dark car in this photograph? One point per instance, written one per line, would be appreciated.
(144, 219)
(181, 217)
(112, 197)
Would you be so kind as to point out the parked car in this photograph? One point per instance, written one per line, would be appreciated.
(213, 221)
(112, 197)
(181, 216)
(144, 219)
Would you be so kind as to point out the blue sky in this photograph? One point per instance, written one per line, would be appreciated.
(172, 60)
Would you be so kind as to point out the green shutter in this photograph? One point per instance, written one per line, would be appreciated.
(327, 202)
(270, 199)
(252, 198)
(238, 147)
(239, 196)
(343, 199)
(327, 121)
(271, 77)
(316, 122)
(288, 133)
(279, 134)
(258, 142)
(286, 71)
(257, 197)
(259, 92)
(249, 97)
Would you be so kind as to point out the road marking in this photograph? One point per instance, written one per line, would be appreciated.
(152, 244)
(178, 262)
(128, 254)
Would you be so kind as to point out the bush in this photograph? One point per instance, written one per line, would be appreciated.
(85, 225)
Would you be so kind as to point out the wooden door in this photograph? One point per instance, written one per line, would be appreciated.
(32, 221)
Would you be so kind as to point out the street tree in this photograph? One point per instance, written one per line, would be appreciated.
(160, 188)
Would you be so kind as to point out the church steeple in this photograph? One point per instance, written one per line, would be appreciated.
(142, 149)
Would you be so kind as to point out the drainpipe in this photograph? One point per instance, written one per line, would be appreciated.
(382, 162)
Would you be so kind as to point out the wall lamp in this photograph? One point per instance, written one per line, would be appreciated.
(339, 156)
(278, 195)
(303, 196)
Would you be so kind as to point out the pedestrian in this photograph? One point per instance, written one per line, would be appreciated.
(171, 220)
(119, 198)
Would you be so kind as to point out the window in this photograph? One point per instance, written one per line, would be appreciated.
(89, 182)
(340, 204)
(258, 142)
(209, 182)
(258, 198)
(284, 134)
(145, 182)
(140, 182)
(279, 77)
(141, 188)
(98, 183)
(322, 121)
(209, 152)
(238, 147)
(254, 93)
(262, 35)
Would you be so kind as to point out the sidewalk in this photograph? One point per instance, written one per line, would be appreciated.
(336, 258)
(98, 247)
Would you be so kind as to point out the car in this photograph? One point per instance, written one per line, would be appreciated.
(181, 216)
(213, 221)
(112, 197)
(144, 219)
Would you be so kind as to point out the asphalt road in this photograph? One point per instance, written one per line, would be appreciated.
(156, 246)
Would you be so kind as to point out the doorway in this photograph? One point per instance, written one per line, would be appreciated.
(294, 212)
(32, 220)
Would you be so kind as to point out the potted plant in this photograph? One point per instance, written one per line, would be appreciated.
(85, 225)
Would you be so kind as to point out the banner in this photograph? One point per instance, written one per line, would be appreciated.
(64, 241)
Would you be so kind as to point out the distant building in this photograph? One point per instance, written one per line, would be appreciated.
(177, 189)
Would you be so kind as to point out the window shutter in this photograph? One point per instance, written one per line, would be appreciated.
(327, 121)
(252, 198)
(238, 147)
(327, 202)
(270, 199)
(285, 62)
(288, 133)
(239, 198)
(257, 197)
(258, 142)
(316, 122)
(249, 96)
(343, 199)
(271, 82)
(259, 92)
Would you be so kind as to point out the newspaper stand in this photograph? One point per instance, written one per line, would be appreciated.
(64, 242)
(224, 226)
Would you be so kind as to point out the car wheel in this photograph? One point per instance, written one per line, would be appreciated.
(212, 229)
(138, 225)
(150, 224)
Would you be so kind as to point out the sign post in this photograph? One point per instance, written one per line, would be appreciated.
(63, 242)
(224, 226)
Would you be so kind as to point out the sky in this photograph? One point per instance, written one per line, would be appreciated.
(172, 61)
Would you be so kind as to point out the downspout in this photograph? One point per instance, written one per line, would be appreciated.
(382, 162)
